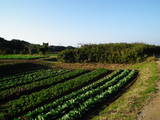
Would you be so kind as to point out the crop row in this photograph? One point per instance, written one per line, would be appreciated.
(60, 108)
(33, 100)
(82, 108)
(29, 78)
(80, 98)
(52, 105)
(37, 85)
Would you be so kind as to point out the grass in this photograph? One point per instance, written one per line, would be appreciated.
(21, 56)
(131, 102)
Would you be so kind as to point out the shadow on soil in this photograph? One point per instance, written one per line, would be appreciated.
(20, 68)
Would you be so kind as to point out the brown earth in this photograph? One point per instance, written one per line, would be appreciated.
(151, 111)
(92, 66)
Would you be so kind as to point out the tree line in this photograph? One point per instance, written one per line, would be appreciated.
(22, 47)
(110, 53)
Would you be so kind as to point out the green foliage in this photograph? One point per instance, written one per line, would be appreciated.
(46, 108)
(83, 93)
(26, 102)
(110, 53)
(86, 93)
(37, 84)
(78, 111)
(79, 104)
(15, 81)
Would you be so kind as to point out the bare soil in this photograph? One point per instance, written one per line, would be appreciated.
(92, 66)
(151, 111)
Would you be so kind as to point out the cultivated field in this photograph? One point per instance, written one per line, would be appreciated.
(59, 94)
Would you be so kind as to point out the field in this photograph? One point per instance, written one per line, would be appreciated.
(130, 104)
(59, 94)
(21, 56)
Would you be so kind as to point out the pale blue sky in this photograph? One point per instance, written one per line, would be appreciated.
(70, 22)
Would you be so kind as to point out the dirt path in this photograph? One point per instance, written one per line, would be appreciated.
(152, 110)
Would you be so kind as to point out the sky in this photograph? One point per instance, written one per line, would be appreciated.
(76, 22)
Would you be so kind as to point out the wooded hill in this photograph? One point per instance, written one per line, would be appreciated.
(110, 53)
(22, 47)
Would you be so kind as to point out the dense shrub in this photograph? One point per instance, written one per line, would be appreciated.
(110, 53)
